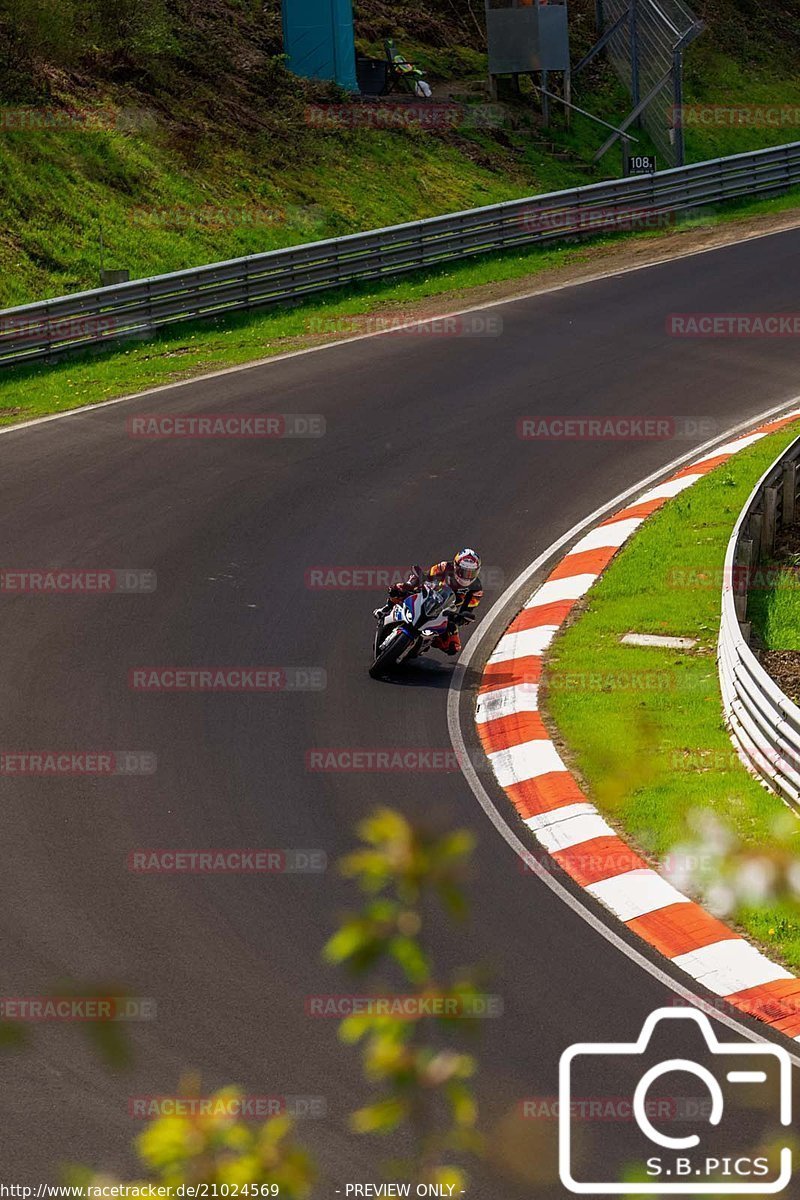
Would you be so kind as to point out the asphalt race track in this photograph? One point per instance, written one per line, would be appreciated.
(420, 457)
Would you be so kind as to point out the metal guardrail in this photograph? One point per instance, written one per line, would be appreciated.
(141, 306)
(764, 723)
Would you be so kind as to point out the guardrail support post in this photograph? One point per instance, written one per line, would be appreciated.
(742, 570)
(754, 532)
(789, 494)
(770, 518)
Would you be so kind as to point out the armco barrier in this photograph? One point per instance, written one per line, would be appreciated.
(763, 722)
(86, 318)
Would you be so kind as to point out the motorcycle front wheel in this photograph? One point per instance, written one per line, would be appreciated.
(389, 653)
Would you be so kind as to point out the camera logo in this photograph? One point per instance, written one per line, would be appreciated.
(686, 1165)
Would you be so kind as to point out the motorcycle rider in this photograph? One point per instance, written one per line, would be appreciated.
(462, 574)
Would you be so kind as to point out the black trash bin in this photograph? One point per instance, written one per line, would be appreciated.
(372, 75)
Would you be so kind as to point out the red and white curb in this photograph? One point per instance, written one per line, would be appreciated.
(550, 802)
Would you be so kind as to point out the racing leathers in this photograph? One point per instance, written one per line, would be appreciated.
(468, 597)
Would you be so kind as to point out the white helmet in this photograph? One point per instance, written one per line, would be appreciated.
(466, 567)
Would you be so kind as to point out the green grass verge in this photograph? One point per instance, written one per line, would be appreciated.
(71, 201)
(193, 349)
(766, 102)
(644, 727)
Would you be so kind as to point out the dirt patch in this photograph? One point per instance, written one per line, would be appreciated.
(784, 667)
(787, 546)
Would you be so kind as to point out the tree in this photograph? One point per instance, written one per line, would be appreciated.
(415, 1061)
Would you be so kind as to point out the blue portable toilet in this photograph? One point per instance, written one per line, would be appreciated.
(318, 39)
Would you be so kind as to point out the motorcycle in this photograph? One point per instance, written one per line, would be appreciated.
(410, 626)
